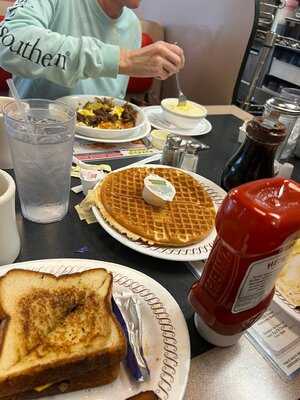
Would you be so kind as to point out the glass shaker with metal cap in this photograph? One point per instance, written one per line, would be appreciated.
(287, 112)
(190, 158)
(172, 151)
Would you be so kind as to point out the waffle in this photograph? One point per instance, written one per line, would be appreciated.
(188, 219)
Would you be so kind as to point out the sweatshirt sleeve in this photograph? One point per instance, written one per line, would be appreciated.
(30, 50)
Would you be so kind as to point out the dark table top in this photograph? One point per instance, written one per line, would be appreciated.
(71, 238)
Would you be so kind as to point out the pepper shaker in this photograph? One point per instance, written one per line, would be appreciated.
(190, 159)
(172, 151)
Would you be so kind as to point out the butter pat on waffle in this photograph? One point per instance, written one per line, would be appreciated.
(188, 219)
(288, 282)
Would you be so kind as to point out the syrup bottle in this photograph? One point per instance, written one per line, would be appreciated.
(255, 158)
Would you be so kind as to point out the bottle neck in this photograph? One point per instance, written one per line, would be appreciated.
(251, 144)
(253, 160)
(266, 131)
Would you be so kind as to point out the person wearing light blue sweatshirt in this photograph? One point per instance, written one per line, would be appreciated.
(56, 48)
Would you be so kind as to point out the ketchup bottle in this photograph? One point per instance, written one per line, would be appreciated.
(256, 225)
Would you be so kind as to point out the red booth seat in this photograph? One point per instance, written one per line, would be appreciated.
(141, 85)
(3, 74)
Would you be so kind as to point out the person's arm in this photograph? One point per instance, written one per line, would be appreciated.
(29, 49)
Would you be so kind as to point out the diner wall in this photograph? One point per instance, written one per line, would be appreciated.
(214, 35)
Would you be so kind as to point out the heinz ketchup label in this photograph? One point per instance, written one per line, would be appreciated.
(258, 282)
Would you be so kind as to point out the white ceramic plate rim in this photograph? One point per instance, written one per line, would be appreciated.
(286, 307)
(147, 130)
(130, 279)
(199, 251)
(178, 131)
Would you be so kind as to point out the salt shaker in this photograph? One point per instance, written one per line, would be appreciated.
(191, 157)
(172, 151)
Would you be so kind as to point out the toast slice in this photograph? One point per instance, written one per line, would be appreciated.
(149, 395)
(98, 377)
(56, 327)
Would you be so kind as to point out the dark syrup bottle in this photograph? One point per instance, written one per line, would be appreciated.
(255, 158)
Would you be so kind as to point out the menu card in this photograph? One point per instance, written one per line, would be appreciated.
(276, 336)
(92, 151)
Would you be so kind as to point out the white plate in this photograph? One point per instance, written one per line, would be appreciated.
(280, 300)
(157, 120)
(98, 133)
(194, 252)
(166, 338)
(141, 135)
(286, 306)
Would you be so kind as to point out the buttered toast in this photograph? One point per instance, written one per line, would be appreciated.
(55, 329)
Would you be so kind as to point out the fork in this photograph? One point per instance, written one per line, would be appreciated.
(181, 97)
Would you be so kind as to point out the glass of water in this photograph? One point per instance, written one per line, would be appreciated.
(42, 156)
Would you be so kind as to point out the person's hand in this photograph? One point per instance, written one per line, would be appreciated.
(158, 60)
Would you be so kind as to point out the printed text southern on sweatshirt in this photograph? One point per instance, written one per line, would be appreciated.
(56, 48)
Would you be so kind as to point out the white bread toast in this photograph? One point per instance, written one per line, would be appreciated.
(56, 327)
(91, 379)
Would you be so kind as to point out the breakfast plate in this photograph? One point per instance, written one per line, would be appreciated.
(157, 120)
(286, 306)
(165, 335)
(115, 107)
(140, 135)
(194, 252)
(286, 293)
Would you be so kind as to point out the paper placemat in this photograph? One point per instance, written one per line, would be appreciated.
(277, 337)
(92, 151)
